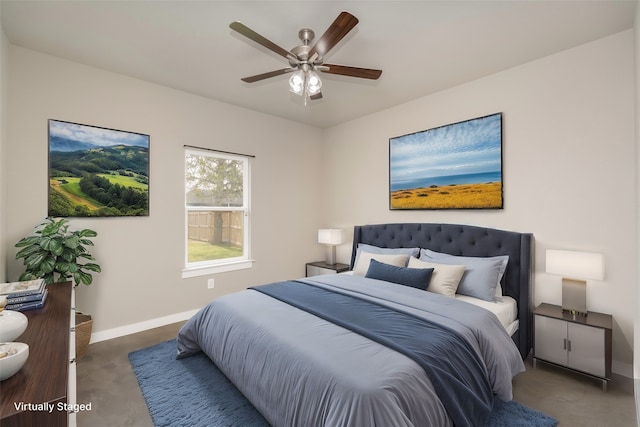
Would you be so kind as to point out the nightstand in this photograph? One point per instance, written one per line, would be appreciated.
(578, 343)
(317, 268)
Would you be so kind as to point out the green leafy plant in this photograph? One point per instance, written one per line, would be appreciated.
(54, 253)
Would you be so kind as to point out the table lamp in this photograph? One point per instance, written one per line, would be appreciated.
(575, 268)
(331, 237)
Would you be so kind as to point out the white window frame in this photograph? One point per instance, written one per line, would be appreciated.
(203, 268)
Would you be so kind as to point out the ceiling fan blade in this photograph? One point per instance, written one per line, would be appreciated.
(365, 73)
(344, 23)
(316, 96)
(249, 33)
(258, 77)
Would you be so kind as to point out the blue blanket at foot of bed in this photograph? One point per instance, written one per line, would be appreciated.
(455, 370)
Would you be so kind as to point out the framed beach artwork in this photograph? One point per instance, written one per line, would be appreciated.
(456, 166)
(97, 172)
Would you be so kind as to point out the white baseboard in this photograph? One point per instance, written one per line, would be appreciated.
(140, 326)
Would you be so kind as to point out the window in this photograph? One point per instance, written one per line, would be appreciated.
(216, 212)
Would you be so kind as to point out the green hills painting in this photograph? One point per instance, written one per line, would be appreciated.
(95, 171)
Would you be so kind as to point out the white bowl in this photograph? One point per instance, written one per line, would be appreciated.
(12, 325)
(12, 363)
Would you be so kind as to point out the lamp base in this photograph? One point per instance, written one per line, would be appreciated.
(331, 255)
(574, 297)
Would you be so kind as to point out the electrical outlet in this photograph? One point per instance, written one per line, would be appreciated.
(211, 283)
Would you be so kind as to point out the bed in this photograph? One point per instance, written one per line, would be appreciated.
(354, 350)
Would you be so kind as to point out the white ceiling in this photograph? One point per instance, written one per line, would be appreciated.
(421, 46)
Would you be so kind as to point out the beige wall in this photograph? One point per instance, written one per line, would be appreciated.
(142, 257)
(569, 168)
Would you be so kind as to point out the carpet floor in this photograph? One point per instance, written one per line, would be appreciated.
(193, 392)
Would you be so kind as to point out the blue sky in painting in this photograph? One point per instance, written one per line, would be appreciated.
(463, 148)
(96, 136)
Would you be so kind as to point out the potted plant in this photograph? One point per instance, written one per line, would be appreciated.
(56, 254)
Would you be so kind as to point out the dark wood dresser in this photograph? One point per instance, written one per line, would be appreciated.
(44, 378)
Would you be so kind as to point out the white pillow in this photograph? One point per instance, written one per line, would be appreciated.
(445, 277)
(388, 251)
(363, 261)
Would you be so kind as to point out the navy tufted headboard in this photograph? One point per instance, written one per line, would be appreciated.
(467, 240)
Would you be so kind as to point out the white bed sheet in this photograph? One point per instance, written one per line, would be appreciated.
(506, 310)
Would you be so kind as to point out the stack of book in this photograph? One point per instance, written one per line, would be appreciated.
(22, 296)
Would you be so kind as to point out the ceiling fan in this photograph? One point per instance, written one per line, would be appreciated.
(305, 60)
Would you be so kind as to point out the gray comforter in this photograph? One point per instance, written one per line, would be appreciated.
(300, 370)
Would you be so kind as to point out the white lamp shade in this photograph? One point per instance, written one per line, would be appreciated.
(577, 265)
(331, 236)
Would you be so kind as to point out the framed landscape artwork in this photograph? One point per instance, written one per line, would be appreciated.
(95, 171)
(457, 166)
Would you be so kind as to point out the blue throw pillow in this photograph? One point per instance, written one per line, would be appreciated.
(413, 277)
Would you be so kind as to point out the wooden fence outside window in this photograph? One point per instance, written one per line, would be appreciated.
(216, 227)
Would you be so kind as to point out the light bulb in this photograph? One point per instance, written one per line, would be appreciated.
(313, 83)
(296, 82)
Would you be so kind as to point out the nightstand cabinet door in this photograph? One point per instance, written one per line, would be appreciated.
(551, 340)
(572, 345)
(587, 349)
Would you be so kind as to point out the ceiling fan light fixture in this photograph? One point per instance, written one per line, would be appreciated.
(305, 83)
(304, 60)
